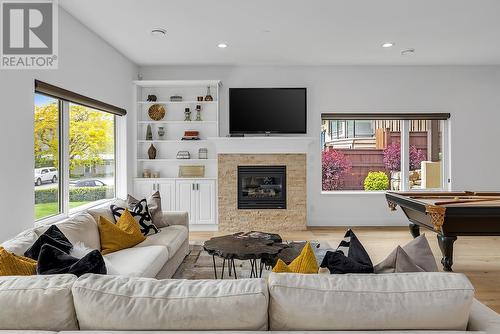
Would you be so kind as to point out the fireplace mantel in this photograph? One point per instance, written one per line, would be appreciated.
(256, 145)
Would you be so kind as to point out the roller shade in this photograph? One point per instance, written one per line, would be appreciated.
(63, 94)
(385, 116)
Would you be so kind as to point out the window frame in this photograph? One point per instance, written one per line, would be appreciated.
(405, 118)
(64, 180)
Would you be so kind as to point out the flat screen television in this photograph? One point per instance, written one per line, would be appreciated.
(267, 110)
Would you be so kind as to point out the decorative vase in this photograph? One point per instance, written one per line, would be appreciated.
(187, 115)
(208, 97)
(152, 152)
(149, 133)
(198, 112)
(161, 132)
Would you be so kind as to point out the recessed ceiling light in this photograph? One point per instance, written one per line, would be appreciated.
(159, 32)
(407, 52)
(222, 45)
(387, 45)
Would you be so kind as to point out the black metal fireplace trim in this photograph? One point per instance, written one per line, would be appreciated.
(263, 203)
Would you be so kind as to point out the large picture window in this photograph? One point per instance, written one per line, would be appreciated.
(381, 152)
(75, 160)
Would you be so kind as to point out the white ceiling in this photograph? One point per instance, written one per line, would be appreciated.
(293, 32)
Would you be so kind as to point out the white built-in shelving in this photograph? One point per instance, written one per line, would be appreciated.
(196, 195)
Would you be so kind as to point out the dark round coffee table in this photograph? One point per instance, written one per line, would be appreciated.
(242, 247)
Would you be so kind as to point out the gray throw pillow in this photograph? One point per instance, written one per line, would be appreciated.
(154, 206)
(416, 256)
(397, 262)
(421, 253)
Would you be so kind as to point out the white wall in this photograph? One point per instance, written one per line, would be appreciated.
(87, 65)
(470, 94)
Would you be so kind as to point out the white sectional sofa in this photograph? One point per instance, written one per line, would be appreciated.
(158, 256)
(137, 299)
(386, 303)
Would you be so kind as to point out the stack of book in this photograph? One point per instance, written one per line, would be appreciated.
(191, 135)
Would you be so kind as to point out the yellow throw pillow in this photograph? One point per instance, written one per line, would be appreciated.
(15, 265)
(305, 263)
(281, 267)
(125, 233)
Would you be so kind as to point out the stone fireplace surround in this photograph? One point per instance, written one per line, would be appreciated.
(232, 219)
(254, 151)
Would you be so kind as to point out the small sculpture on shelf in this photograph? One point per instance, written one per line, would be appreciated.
(208, 97)
(187, 115)
(149, 133)
(151, 98)
(198, 112)
(200, 98)
(161, 132)
(152, 152)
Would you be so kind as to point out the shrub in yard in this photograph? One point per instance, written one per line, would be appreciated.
(392, 157)
(376, 181)
(335, 166)
(89, 194)
(77, 194)
(46, 195)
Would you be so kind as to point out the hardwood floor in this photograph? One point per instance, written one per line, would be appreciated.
(476, 257)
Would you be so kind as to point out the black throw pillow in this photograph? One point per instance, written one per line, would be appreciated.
(350, 257)
(53, 236)
(140, 212)
(54, 261)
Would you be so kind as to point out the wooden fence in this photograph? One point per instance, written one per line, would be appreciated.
(372, 160)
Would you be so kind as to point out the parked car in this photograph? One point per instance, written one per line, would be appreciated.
(87, 183)
(47, 174)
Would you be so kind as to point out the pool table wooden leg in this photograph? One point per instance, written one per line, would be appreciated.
(446, 245)
(414, 230)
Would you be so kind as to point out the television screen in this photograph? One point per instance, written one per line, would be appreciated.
(267, 110)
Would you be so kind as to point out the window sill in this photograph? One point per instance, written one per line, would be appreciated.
(381, 192)
(85, 207)
(352, 192)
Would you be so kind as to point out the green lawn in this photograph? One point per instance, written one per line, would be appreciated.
(49, 209)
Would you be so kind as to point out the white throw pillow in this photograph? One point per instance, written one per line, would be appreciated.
(79, 250)
(20, 244)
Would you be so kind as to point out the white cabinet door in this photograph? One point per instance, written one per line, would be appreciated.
(185, 199)
(143, 189)
(205, 201)
(167, 193)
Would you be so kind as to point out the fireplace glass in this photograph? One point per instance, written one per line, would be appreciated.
(261, 187)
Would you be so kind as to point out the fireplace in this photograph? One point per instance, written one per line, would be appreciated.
(261, 187)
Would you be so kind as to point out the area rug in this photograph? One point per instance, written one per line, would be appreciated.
(199, 264)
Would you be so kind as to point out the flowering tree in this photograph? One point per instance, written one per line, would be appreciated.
(392, 157)
(335, 165)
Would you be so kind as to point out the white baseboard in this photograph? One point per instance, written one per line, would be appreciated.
(204, 228)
